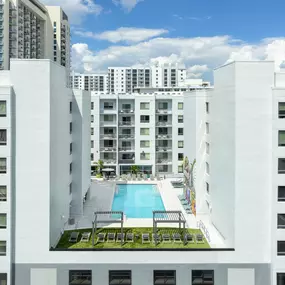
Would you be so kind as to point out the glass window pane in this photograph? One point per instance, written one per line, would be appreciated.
(3, 193)
(281, 138)
(3, 109)
(281, 165)
(3, 221)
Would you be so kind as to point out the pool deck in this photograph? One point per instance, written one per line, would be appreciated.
(101, 199)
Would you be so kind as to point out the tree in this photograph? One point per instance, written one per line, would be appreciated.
(191, 171)
(100, 166)
(134, 169)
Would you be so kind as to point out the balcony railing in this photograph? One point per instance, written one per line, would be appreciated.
(127, 161)
(164, 137)
(108, 149)
(109, 161)
(126, 111)
(163, 111)
(161, 124)
(126, 149)
(129, 124)
(108, 136)
(108, 123)
(126, 137)
(108, 110)
(164, 161)
(163, 149)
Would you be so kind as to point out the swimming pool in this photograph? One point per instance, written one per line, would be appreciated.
(137, 200)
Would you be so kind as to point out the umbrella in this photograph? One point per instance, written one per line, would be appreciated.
(109, 170)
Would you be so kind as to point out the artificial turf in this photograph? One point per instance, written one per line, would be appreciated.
(65, 244)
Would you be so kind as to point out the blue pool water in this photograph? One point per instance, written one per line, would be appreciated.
(137, 200)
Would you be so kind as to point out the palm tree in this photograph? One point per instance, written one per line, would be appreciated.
(191, 172)
(134, 169)
(100, 166)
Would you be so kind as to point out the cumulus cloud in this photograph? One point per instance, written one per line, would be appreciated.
(200, 55)
(123, 34)
(127, 5)
(76, 9)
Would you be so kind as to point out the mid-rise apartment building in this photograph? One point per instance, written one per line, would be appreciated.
(44, 151)
(28, 29)
(146, 130)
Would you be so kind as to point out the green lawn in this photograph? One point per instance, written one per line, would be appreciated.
(64, 243)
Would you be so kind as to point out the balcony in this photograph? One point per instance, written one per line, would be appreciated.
(126, 137)
(163, 137)
(108, 111)
(108, 136)
(126, 111)
(109, 161)
(126, 149)
(163, 111)
(108, 149)
(126, 124)
(163, 149)
(127, 161)
(166, 161)
(108, 123)
(164, 124)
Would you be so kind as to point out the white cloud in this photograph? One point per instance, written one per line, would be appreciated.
(123, 34)
(127, 5)
(76, 10)
(200, 54)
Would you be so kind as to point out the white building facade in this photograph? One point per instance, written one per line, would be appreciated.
(41, 124)
(146, 130)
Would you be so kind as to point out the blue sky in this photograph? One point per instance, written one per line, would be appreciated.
(202, 34)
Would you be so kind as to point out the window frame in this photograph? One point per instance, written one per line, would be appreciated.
(179, 106)
(144, 129)
(280, 115)
(3, 171)
(163, 274)
(81, 272)
(280, 242)
(3, 198)
(4, 113)
(178, 144)
(279, 226)
(118, 273)
(4, 216)
(180, 121)
(281, 171)
(201, 276)
(180, 134)
(4, 135)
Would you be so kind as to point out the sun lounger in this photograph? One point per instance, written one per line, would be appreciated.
(155, 238)
(176, 237)
(120, 237)
(151, 177)
(166, 238)
(101, 237)
(111, 237)
(199, 238)
(139, 177)
(73, 237)
(188, 238)
(85, 237)
(130, 237)
(145, 238)
(134, 177)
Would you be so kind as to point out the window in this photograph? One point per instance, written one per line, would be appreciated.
(207, 148)
(180, 169)
(54, 24)
(144, 131)
(180, 106)
(70, 128)
(70, 188)
(92, 131)
(201, 277)
(92, 144)
(70, 168)
(91, 156)
(281, 110)
(54, 42)
(70, 107)
(3, 279)
(164, 277)
(54, 53)
(3, 221)
(280, 278)
(108, 118)
(207, 168)
(126, 107)
(92, 105)
(180, 131)
(145, 119)
(145, 144)
(180, 119)
(70, 148)
(3, 193)
(207, 107)
(281, 221)
(163, 105)
(92, 118)
(80, 277)
(3, 137)
(119, 277)
(180, 156)
(207, 128)
(108, 105)
(281, 165)
(281, 193)
(145, 156)
(54, 59)
(180, 144)
(3, 165)
(207, 187)
(281, 138)
(280, 247)
(144, 106)
(3, 111)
